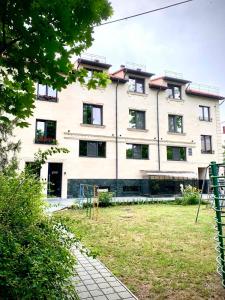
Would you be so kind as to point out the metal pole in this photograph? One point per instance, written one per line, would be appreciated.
(158, 144)
(214, 168)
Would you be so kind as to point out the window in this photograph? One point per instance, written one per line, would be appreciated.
(175, 123)
(92, 149)
(206, 144)
(46, 93)
(90, 73)
(135, 151)
(204, 113)
(176, 153)
(92, 114)
(131, 188)
(137, 85)
(137, 119)
(45, 132)
(174, 91)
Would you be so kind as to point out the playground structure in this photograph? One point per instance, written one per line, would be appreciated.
(217, 177)
(88, 198)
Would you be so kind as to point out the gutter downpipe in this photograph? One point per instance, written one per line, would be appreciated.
(158, 144)
(117, 165)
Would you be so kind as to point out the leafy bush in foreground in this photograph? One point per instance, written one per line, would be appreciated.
(105, 199)
(190, 196)
(35, 257)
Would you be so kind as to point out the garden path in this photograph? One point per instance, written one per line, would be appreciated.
(96, 282)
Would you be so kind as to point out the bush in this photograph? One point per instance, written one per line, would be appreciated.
(190, 196)
(105, 199)
(36, 262)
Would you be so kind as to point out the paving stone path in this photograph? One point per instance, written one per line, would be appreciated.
(96, 282)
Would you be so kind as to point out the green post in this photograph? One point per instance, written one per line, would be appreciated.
(214, 177)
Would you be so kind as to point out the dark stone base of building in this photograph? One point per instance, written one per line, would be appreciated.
(134, 187)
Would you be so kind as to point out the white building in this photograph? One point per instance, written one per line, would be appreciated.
(137, 136)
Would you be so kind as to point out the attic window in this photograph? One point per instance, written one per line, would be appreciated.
(90, 73)
(174, 91)
(136, 85)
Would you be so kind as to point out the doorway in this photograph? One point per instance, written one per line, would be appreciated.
(55, 179)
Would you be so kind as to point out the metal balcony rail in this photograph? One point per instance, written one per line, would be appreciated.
(94, 57)
(173, 74)
(204, 88)
(134, 66)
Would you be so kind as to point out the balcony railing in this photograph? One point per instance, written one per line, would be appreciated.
(204, 88)
(94, 57)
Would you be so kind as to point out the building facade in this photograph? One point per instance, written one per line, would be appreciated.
(140, 135)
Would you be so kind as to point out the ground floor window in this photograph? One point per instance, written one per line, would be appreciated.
(131, 188)
(92, 148)
(176, 153)
(137, 151)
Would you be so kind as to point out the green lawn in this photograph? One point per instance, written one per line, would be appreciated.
(156, 250)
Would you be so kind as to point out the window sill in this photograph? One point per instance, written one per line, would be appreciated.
(82, 156)
(92, 125)
(208, 121)
(173, 160)
(45, 143)
(47, 99)
(85, 86)
(176, 133)
(137, 129)
(175, 100)
(137, 94)
(211, 152)
(137, 158)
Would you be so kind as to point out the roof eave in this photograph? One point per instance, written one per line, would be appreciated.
(178, 80)
(205, 95)
(93, 63)
(118, 79)
(138, 72)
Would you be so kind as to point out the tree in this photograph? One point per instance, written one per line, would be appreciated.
(38, 39)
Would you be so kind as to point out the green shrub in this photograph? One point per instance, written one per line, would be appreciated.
(190, 196)
(35, 262)
(105, 199)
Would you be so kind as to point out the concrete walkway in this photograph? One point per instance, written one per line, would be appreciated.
(96, 282)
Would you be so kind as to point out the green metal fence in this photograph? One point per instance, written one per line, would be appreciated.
(218, 185)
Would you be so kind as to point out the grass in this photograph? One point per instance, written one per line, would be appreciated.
(156, 250)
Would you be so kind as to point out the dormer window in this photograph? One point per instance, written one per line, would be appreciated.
(90, 73)
(174, 91)
(137, 85)
(46, 93)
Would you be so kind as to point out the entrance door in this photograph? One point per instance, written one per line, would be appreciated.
(54, 179)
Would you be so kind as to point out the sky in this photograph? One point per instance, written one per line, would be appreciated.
(188, 39)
